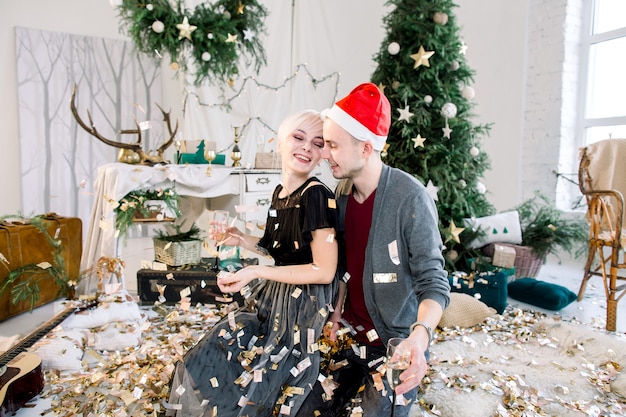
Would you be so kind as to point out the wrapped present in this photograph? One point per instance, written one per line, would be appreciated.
(267, 160)
(503, 256)
(527, 264)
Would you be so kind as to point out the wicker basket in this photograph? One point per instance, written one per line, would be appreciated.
(527, 264)
(177, 253)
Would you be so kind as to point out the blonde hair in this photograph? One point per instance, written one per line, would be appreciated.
(309, 120)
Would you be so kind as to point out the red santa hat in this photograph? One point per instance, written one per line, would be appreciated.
(365, 113)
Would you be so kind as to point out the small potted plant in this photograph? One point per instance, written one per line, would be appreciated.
(548, 230)
(174, 247)
(146, 205)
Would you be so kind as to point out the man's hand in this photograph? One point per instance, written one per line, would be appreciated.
(413, 375)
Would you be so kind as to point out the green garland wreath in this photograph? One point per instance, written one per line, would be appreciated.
(214, 35)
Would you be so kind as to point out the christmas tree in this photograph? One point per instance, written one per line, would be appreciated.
(423, 71)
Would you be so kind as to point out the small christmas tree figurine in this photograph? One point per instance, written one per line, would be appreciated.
(423, 72)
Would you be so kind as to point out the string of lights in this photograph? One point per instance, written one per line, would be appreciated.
(226, 102)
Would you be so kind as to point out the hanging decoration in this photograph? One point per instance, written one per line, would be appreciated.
(209, 37)
(393, 48)
(405, 114)
(448, 111)
(440, 18)
(454, 232)
(421, 57)
(418, 141)
(432, 190)
(251, 83)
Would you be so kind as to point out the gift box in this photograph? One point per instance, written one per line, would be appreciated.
(527, 264)
(267, 160)
(503, 256)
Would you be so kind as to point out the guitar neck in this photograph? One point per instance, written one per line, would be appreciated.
(33, 337)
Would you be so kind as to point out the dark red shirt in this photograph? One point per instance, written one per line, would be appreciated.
(358, 221)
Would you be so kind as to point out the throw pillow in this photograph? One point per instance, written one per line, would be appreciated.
(105, 313)
(502, 227)
(541, 294)
(465, 311)
(488, 287)
(61, 349)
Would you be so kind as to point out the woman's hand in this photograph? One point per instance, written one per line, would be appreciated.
(232, 283)
(231, 237)
(336, 325)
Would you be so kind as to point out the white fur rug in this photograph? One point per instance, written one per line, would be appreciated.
(524, 364)
(520, 363)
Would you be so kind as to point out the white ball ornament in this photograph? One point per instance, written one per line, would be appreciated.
(440, 18)
(206, 56)
(480, 188)
(474, 151)
(455, 65)
(158, 26)
(227, 15)
(209, 35)
(453, 255)
(448, 110)
(393, 48)
(428, 99)
(468, 93)
(462, 183)
(149, 7)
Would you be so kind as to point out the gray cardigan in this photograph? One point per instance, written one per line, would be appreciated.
(396, 280)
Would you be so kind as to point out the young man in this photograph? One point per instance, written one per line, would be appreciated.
(395, 283)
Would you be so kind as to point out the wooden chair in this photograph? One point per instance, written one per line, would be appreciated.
(602, 180)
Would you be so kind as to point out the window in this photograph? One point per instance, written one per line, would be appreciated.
(603, 105)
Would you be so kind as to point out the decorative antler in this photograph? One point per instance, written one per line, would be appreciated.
(141, 156)
(166, 119)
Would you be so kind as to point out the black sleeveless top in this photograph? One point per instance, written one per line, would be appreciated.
(291, 220)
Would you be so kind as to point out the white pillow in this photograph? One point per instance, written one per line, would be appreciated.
(61, 350)
(117, 336)
(103, 314)
(502, 227)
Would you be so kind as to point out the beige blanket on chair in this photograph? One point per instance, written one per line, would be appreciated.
(607, 166)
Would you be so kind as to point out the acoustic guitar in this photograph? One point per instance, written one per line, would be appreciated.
(21, 374)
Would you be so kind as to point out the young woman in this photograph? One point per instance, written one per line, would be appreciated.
(261, 360)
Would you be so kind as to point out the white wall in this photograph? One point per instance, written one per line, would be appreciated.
(495, 32)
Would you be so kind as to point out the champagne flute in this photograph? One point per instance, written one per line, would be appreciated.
(398, 359)
(209, 154)
(219, 225)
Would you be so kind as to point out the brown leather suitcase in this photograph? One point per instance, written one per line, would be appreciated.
(23, 244)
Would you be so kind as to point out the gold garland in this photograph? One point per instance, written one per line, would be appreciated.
(213, 36)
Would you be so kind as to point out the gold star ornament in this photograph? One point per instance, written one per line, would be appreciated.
(421, 57)
(405, 114)
(418, 141)
(185, 29)
(231, 38)
(454, 232)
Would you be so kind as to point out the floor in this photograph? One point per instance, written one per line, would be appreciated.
(566, 272)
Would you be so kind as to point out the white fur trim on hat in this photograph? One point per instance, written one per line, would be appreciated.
(354, 127)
